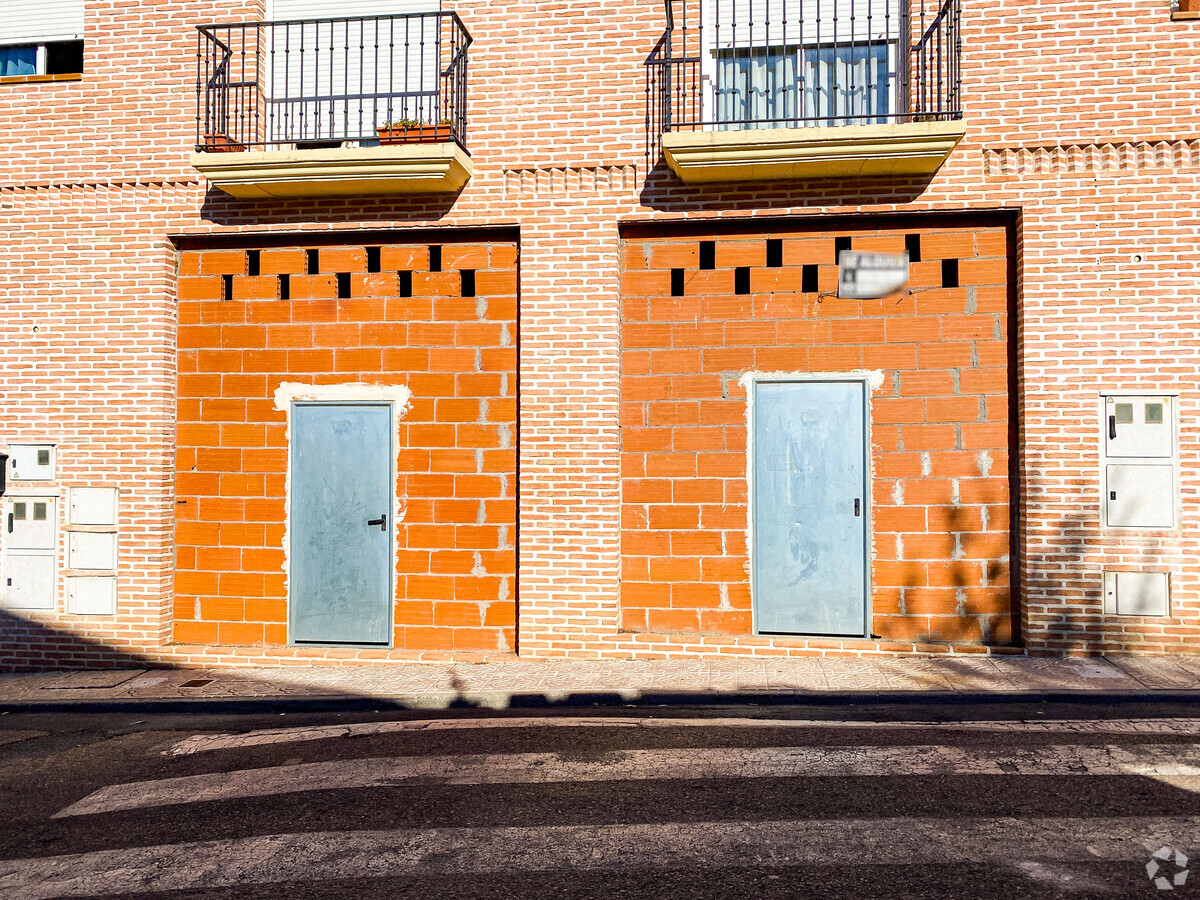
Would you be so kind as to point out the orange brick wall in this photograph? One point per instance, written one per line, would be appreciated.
(940, 422)
(456, 465)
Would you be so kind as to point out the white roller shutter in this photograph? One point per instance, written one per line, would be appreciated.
(39, 21)
(326, 9)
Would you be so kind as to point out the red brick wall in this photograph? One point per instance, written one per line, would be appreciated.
(456, 464)
(940, 424)
(95, 179)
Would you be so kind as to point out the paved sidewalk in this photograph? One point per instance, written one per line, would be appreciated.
(554, 682)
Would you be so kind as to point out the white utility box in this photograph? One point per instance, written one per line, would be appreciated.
(1140, 464)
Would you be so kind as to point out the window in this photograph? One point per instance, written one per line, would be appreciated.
(41, 38)
(54, 58)
(18, 61)
(785, 87)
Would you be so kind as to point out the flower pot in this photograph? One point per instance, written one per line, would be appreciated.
(222, 143)
(414, 134)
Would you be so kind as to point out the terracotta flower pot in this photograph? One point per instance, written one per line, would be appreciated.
(222, 143)
(414, 134)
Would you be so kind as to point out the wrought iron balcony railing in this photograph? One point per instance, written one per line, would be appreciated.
(323, 83)
(735, 64)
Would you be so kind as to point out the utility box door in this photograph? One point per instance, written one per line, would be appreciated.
(29, 581)
(93, 506)
(1139, 427)
(809, 512)
(93, 595)
(1140, 496)
(31, 462)
(31, 523)
(91, 550)
(1137, 593)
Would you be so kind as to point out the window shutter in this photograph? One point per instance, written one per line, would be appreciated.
(280, 10)
(39, 21)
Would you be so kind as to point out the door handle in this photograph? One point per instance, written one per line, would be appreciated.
(10, 521)
(381, 522)
(856, 506)
(1112, 428)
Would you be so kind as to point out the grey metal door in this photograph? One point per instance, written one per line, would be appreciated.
(809, 507)
(340, 554)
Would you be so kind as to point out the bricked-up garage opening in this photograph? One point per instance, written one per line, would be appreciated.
(403, 325)
(941, 421)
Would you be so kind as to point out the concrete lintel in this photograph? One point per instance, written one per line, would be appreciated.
(394, 169)
(849, 151)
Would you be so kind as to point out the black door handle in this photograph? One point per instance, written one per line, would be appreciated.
(381, 522)
(10, 523)
(856, 506)
(1112, 428)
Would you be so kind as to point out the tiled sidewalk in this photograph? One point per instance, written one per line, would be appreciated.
(502, 684)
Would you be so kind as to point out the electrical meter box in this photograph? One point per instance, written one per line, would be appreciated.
(1137, 593)
(31, 462)
(1140, 462)
(29, 576)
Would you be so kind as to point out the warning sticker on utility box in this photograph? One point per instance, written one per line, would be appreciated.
(869, 276)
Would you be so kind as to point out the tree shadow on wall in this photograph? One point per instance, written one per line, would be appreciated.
(663, 191)
(220, 208)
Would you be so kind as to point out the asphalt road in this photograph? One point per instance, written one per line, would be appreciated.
(1017, 800)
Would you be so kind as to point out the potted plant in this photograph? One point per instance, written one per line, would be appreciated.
(407, 131)
(216, 142)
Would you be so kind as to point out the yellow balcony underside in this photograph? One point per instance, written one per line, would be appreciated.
(394, 169)
(848, 151)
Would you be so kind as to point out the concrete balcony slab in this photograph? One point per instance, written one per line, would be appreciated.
(848, 151)
(417, 168)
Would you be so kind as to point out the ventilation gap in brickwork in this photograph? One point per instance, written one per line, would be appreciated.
(808, 279)
(468, 282)
(774, 253)
(677, 282)
(840, 244)
(949, 273)
(227, 286)
(405, 284)
(741, 280)
(314, 261)
(912, 243)
(373, 262)
(708, 254)
(343, 279)
(435, 258)
(252, 262)
(285, 287)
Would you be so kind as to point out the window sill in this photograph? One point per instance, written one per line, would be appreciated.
(1183, 15)
(35, 79)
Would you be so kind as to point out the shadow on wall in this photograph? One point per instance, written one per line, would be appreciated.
(974, 622)
(221, 209)
(30, 646)
(663, 191)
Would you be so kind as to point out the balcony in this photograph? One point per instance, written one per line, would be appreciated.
(746, 90)
(328, 107)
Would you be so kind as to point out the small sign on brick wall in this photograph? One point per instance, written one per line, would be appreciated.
(869, 276)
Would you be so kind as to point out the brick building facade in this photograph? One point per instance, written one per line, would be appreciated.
(565, 332)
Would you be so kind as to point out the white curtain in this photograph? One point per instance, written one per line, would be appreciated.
(846, 85)
(757, 88)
